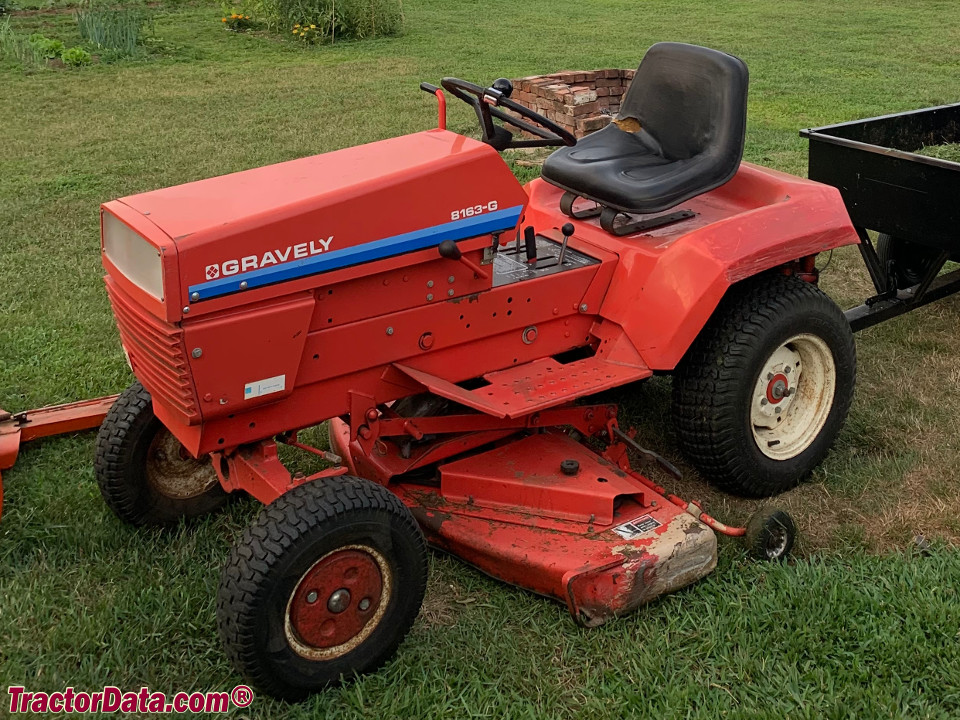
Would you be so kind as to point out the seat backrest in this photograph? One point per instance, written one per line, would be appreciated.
(692, 100)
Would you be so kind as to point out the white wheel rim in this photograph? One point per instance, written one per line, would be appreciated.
(793, 396)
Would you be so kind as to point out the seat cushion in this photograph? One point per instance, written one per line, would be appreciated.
(618, 169)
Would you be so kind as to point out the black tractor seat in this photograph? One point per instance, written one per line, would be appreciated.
(679, 133)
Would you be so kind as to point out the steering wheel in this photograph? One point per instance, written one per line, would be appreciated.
(486, 102)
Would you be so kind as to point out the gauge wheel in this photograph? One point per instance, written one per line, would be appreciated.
(322, 587)
(770, 535)
(763, 392)
(145, 475)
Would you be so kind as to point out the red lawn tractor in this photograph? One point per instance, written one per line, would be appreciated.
(452, 326)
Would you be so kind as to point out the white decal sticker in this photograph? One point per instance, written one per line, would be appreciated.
(274, 256)
(264, 387)
(636, 528)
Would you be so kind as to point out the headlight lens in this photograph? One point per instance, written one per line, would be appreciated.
(137, 259)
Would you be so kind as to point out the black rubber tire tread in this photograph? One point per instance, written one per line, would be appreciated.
(714, 381)
(758, 529)
(121, 450)
(273, 552)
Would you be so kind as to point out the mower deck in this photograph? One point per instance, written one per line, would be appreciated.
(596, 539)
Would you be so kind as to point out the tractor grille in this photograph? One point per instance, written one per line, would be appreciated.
(156, 354)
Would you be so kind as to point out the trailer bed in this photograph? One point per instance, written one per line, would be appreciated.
(885, 184)
(888, 187)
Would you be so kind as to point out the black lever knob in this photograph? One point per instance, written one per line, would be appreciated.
(567, 231)
(503, 86)
(448, 249)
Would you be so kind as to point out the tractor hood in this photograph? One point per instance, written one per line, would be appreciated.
(227, 236)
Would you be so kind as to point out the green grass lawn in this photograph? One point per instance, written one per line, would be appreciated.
(858, 626)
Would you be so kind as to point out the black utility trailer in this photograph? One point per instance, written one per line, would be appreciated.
(911, 200)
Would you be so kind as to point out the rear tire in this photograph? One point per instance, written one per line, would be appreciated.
(145, 475)
(763, 391)
(323, 586)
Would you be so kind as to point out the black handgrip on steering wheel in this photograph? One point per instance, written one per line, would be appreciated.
(487, 104)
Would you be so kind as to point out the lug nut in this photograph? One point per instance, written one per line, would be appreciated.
(364, 604)
(312, 596)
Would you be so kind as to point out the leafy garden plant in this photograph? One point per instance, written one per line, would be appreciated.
(47, 48)
(75, 57)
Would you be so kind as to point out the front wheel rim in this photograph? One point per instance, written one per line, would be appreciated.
(173, 472)
(793, 396)
(338, 602)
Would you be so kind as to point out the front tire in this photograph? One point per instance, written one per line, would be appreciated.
(323, 586)
(145, 475)
(762, 393)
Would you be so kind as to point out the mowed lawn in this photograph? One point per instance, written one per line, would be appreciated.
(860, 625)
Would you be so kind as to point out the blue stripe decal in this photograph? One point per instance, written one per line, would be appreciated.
(378, 249)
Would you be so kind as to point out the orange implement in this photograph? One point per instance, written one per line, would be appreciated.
(54, 420)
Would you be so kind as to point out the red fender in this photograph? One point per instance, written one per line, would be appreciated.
(670, 279)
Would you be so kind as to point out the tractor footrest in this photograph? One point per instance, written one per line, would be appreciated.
(526, 389)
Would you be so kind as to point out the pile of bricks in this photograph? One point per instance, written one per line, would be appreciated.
(580, 101)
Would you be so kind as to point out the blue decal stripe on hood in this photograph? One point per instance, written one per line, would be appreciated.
(376, 250)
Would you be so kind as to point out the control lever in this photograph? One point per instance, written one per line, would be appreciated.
(530, 240)
(567, 231)
(448, 249)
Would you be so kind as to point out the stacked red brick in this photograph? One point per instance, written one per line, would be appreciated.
(580, 101)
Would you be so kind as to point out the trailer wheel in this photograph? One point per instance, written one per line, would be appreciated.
(145, 475)
(910, 260)
(761, 395)
(323, 586)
